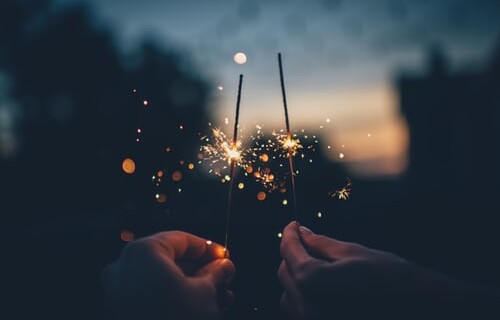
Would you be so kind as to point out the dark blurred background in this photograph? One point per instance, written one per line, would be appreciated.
(72, 98)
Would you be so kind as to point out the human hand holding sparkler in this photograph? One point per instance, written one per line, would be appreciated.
(323, 277)
(170, 275)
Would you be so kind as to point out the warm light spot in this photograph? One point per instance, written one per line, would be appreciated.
(240, 58)
(319, 214)
(177, 176)
(261, 196)
(168, 149)
(220, 88)
(191, 166)
(285, 202)
(283, 190)
(128, 165)
(134, 90)
(159, 173)
(328, 120)
(127, 235)
(341, 155)
(145, 102)
(264, 157)
(226, 120)
(181, 162)
(279, 235)
(232, 155)
(249, 169)
(241, 185)
(227, 178)
(181, 127)
(161, 198)
(209, 242)
(369, 135)
(139, 130)
(137, 140)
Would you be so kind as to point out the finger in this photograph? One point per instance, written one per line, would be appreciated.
(289, 284)
(326, 248)
(292, 249)
(182, 245)
(287, 306)
(219, 271)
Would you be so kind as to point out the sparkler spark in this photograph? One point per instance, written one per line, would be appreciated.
(342, 193)
(220, 152)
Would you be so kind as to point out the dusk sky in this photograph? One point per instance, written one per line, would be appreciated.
(340, 59)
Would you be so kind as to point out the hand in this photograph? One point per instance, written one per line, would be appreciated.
(170, 275)
(325, 278)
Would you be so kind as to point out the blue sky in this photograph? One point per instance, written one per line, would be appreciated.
(340, 58)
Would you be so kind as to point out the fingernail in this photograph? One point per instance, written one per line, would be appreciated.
(305, 230)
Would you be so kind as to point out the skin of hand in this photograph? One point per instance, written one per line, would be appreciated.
(326, 278)
(169, 275)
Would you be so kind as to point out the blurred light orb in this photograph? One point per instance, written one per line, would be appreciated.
(241, 185)
(177, 176)
(240, 58)
(128, 166)
(161, 198)
(341, 155)
(127, 235)
(261, 196)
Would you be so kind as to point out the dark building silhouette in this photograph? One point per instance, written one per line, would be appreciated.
(451, 206)
(453, 121)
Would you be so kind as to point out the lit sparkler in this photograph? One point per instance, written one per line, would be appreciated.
(233, 157)
(289, 144)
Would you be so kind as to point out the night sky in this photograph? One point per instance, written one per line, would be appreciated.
(340, 57)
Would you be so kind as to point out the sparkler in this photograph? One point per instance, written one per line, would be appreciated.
(289, 143)
(233, 157)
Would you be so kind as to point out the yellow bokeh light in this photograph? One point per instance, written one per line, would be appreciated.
(261, 196)
(264, 157)
(191, 166)
(128, 165)
(249, 169)
(285, 202)
(241, 185)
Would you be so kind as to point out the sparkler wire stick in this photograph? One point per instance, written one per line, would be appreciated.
(289, 138)
(232, 172)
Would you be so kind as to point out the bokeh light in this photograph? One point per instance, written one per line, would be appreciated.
(128, 165)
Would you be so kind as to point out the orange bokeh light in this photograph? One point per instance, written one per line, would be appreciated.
(128, 165)
(127, 235)
(261, 196)
(177, 176)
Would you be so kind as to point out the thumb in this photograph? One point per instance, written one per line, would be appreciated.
(219, 270)
(322, 247)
